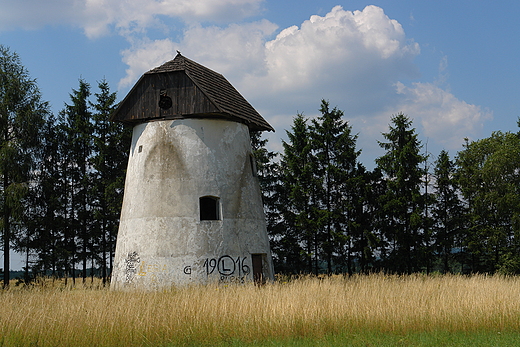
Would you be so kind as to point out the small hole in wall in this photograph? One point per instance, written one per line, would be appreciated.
(165, 102)
(140, 149)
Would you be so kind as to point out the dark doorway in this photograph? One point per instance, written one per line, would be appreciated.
(258, 273)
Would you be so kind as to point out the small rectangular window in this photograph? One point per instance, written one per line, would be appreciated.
(209, 208)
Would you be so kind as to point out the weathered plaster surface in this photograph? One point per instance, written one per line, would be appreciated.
(161, 240)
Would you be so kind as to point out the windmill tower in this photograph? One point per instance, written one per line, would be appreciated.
(192, 208)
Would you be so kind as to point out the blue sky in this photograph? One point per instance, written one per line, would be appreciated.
(451, 66)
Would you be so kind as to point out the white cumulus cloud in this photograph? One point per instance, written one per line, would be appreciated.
(143, 56)
(33, 14)
(443, 117)
(136, 16)
(361, 61)
(99, 17)
(234, 51)
(353, 56)
(358, 60)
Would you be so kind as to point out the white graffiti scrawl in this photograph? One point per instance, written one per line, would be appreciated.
(131, 265)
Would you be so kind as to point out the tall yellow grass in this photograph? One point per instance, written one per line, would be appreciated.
(55, 315)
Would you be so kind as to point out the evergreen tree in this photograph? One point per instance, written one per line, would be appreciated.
(78, 191)
(47, 202)
(264, 166)
(447, 211)
(77, 119)
(369, 186)
(296, 245)
(109, 160)
(268, 171)
(22, 113)
(402, 203)
(335, 153)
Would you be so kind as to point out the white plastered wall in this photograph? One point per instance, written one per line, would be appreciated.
(161, 240)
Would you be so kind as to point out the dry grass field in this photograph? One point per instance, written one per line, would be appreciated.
(52, 314)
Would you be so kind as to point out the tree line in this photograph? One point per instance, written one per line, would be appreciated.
(62, 176)
(327, 213)
(62, 180)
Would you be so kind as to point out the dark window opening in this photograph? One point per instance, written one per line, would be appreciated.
(209, 208)
(165, 102)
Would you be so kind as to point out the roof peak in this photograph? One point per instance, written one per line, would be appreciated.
(216, 96)
(176, 64)
(179, 63)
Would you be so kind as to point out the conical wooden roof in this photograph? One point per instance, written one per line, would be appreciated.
(182, 88)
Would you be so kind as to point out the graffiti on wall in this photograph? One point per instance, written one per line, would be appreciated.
(151, 270)
(131, 264)
(135, 267)
(225, 268)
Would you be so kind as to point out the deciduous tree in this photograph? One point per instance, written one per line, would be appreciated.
(22, 113)
(489, 177)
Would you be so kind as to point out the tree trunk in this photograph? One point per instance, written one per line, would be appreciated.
(7, 241)
(7, 233)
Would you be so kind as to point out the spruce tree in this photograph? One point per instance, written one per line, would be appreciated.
(47, 202)
(297, 243)
(335, 153)
(77, 120)
(366, 219)
(402, 202)
(447, 211)
(265, 166)
(109, 160)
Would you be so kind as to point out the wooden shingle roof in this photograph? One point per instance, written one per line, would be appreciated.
(195, 92)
